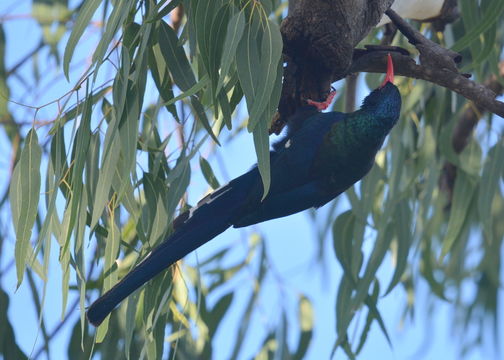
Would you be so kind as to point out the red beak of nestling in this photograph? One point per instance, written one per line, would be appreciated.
(390, 72)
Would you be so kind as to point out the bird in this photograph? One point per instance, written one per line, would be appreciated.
(310, 166)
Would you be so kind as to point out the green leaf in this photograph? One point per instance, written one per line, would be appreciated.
(379, 251)
(261, 144)
(402, 222)
(233, 36)
(175, 58)
(211, 21)
(106, 175)
(165, 10)
(24, 194)
(79, 251)
(201, 116)
(306, 322)
(208, 173)
(131, 310)
(489, 185)
(64, 257)
(115, 21)
(161, 76)
(482, 56)
(248, 61)
(462, 196)
(257, 62)
(85, 14)
(226, 110)
(218, 312)
(344, 312)
(79, 155)
(178, 184)
(114, 114)
(218, 31)
(491, 15)
(343, 231)
(56, 169)
(271, 52)
(159, 223)
(470, 158)
(92, 168)
(192, 91)
(204, 13)
(128, 128)
(374, 313)
(109, 270)
(155, 216)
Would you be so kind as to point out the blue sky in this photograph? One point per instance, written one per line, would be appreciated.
(291, 244)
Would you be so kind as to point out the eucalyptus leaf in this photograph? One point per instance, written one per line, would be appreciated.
(24, 194)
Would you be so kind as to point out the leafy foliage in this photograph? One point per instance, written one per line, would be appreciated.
(114, 165)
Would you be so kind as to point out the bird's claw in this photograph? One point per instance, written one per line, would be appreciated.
(322, 105)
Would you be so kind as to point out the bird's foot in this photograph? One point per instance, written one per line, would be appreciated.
(322, 105)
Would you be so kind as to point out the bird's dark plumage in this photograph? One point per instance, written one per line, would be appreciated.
(309, 167)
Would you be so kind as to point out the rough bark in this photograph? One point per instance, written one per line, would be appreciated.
(319, 48)
(319, 37)
(375, 61)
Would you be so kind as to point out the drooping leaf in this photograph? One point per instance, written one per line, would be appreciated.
(163, 11)
(83, 19)
(24, 194)
(175, 57)
(489, 185)
(202, 118)
(208, 173)
(261, 144)
(402, 223)
(271, 52)
(233, 36)
(116, 19)
(109, 270)
(306, 321)
(462, 196)
(343, 231)
(109, 163)
(492, 14)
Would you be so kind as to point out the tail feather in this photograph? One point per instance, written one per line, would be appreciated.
(212, 216)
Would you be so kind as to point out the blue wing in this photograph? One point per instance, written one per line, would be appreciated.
(293, 185)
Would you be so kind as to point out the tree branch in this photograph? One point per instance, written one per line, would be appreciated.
(319, 37)
(375, 61)
(431, 53)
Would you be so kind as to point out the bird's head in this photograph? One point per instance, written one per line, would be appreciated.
(385, 101)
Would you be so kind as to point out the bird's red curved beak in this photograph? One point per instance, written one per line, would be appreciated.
(390, 71)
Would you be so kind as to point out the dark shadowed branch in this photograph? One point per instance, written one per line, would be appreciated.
(437, 65)
(318, 38)
(375, 61)
(318, 51)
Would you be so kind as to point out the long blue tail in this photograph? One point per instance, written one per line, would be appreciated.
(212, 216)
